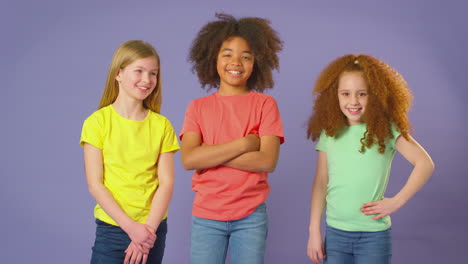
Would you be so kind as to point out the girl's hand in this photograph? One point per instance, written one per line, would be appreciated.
(133, 255)
(384, 207)
(142, 235)
(315, 249)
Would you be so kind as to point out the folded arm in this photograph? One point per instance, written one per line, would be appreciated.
(262, 160)
(196, 156)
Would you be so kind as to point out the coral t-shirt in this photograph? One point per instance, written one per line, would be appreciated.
(224, 193)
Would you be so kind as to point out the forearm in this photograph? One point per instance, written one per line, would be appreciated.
(105, 199)
(418, 177)
(255, 161)
(263, 160)
(318, 202)
(159, 205)
(163, 194)
(197, 156)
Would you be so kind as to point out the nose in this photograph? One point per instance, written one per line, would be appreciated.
(145, 78)
(235, 60)
(354, 100)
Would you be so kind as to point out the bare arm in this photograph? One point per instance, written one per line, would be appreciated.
(159, 204)
(315, 248)
(423, 168)
(263, 160)
(163, 194)
(94, 176)
(195, 156)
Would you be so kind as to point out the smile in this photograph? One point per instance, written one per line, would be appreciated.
(143, 88)
(354, 110)
(235, 72)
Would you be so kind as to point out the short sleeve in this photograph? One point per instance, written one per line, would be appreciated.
(169, 142)
(270, 124)
(191, 123)
(395, 134)
(92, 132)
(322, 143)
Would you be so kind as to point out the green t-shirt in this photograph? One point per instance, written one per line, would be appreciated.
(130, 151)
(355, 178)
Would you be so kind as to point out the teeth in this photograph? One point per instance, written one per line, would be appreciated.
(143, 88)
(234, 72)
(353, 110)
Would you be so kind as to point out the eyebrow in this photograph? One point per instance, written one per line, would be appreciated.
(245, 51)
(347, 90)
(141, 67)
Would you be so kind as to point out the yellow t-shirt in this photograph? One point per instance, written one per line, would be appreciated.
(130, 151)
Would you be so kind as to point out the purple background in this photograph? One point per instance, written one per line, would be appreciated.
(55, 57)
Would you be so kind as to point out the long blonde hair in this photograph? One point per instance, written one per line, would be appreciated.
(126, 54)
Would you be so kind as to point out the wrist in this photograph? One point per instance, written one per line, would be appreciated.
(400, 200)
(127, 225)
(314, 230)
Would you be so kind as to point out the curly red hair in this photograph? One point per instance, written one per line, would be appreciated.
(388, 104)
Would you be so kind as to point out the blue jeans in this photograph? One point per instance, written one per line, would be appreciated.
(111, 242)
(345, 247)
(246, 239)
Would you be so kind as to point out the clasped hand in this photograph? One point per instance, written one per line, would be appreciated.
(143, 238)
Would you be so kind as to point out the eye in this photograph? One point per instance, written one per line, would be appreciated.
(246, 57)
(345, 94)
(139, 71)
(154, 73)
(362, 94)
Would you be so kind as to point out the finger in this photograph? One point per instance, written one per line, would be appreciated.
(151, 240)
(139, 247)
(150, 229)
(146, 247)
(139, 256)
(127, 257)
(320, 254)
(145, 258)
(369, 204)
(309, 253)
(314, 257)
(379, 216)
(133, 258)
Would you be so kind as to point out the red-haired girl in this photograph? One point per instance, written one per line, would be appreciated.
(360, 119)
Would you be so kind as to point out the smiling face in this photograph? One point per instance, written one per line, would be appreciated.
(138, 79)
(234, 64)
(352, 95)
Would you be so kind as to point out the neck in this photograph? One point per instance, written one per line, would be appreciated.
(228, 90)
(129, 108)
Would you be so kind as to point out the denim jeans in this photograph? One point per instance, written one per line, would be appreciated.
(111, 242)
(345, 247)
(245, 238)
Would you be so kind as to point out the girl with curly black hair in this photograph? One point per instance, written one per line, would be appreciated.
(232, 138)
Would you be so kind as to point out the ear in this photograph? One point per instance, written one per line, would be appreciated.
(118, 77)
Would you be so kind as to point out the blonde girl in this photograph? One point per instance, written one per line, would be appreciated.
(128, 156)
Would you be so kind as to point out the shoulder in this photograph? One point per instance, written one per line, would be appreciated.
(204, 99)
(100, 115)
(195, 106)
(263, 99)
(160, 119)
(262, 96)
